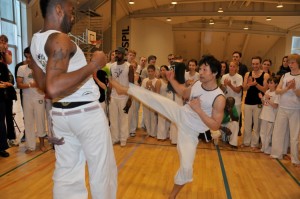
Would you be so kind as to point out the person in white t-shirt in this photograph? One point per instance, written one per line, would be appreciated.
(119, 106)
(232, 85)
(288, 114)
(268, 114)
(33, 107)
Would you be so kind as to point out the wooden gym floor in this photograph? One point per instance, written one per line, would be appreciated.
(146, 168)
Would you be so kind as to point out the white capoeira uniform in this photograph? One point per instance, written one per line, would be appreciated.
(86, 134)
(34, 109)
(173, 127)
(188, 122)
(133, 114)
(118, 119)
(288, 115)
(267, 116)
(236, 81)
(163, 124)
(150, 116)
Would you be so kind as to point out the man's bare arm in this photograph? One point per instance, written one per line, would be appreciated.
(60, 49)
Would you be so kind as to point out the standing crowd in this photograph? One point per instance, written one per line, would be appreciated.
(92, 105)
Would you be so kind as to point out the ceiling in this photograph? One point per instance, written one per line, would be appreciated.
(194, 36)
(196, 14)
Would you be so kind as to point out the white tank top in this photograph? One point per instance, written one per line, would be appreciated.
(87, 90)
(207, 99)
(120, 74)
(163, 88)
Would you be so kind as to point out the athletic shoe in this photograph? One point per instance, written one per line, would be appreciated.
(19, 138)
(12, 143)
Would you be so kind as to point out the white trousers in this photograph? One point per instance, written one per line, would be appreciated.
(266, 130)
(187, 137)
(133, 115)
(251, 136)
(150, 121)
(118, 120)
(87, 138)
(163, 126)
(48, 105)
(173, 128)
(34, 119)
(285, 118)
(234, 128)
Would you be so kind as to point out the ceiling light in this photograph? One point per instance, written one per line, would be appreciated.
(279, 5)
(168, 19)
(211, 22)
(173, 2)
(220, 10)
(246, 27)
(268, 19)
(131, 2)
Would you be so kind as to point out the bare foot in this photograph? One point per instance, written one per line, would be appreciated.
(243, 146)
(43, 148)
(286, 157)
(28, 151)
(256, 149)
(121, 90)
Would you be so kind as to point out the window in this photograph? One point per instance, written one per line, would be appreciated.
(13, 23)
(7, 10)
(295, 45)
(9, 29)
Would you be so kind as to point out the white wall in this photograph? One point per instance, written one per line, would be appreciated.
(276, 53)
(151, 37)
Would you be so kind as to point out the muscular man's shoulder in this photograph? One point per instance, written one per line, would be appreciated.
(59, 40)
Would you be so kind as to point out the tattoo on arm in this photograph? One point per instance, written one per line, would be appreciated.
(58, 55)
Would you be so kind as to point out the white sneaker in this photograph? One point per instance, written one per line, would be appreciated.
(12, 143)
(19, 137)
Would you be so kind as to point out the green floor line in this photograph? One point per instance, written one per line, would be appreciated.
(7, 172)
(290, 174)
(121, 165)
(226, 184)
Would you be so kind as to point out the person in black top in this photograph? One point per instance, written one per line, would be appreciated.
(254, 82)
(4, 81)
(101, 80)
(236, 56)
(284, 68)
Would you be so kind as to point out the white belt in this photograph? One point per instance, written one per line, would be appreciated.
(77, 111)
